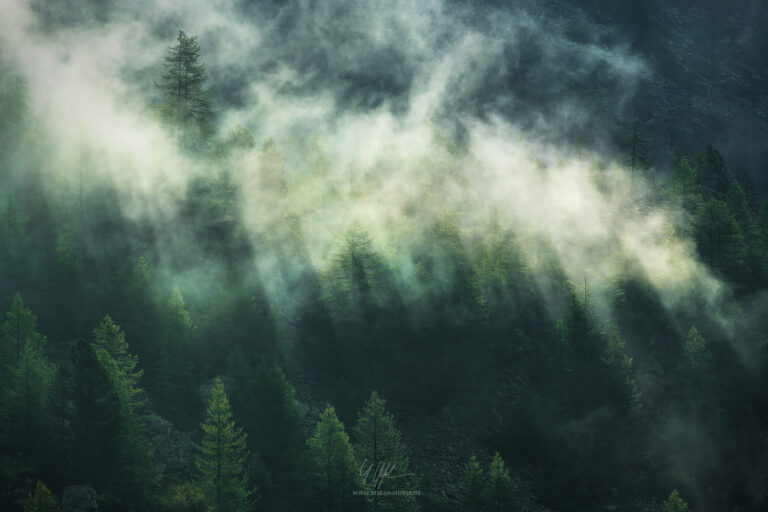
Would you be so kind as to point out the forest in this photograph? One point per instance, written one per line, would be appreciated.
(292, 295)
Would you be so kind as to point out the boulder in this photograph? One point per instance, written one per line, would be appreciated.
(79, 498)
(174, 450)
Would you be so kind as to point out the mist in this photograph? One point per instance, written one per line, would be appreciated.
(421, 144)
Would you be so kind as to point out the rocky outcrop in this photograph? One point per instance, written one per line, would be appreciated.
(79, 498)
(174, 450)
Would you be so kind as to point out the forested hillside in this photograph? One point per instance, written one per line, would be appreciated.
(233, 280)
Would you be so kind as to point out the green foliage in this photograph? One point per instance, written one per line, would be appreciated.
(719, 239)
(18, 328)
(335, 475)
(184, 497)
(275, 413)
(221, 467)
(637, 156)
(500, 486)
(112, 351)
(186, 107)
(264, 401)
(713, 176)
(696, 349)
(13, 102)
(174, 387)
(27, 375)
(675, 503)
(41, 500)
(474, 486)
(622, 383)
(122, 367)
(94, 416)
(378, 448)
(685, 184)
(27, 392)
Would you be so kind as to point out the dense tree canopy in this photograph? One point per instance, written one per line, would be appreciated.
(283, 287)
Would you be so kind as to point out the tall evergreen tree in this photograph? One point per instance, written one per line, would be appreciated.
(675, 503)
(175, 386)
(263, 400)
(474, 486)
(378, 449)
(24, 368)
(499, 485)
(221, 466)
(94, 417)
(637, 158)
(713, 175)
(112, 351)
(332, 461)
(186, 106)
(27, 392)
(750, 192)
(19, 326)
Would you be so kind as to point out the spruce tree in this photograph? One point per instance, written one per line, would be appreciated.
(186, 106)
(94, 416)
(27, 392)
(637, 159)
(675, 503)
(19, 326)
(499, 485)
(474, 486)
(135, 454)
(175, 386)
(332, 462)
(378, 448)
(41, 500)
(221, 466)
(26, 373)
(112, 351)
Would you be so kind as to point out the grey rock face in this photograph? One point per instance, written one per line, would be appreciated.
(79, 498)
(174, 450)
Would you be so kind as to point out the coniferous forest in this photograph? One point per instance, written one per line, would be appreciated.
(383, 256)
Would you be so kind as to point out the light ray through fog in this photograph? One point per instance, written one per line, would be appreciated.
(91, 85)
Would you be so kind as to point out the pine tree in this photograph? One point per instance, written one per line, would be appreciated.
(713, 175)
(112, 351)
(378, 448)
(499, 485)
(175, 386)
(19, 326)
(332, 460)
(696, 349)
(750, 192)
(26, 373)
(474, 486)
(186, 106)
(94, 417)
(737, 202)
(637, 159)
(135, 453)
(221, 466)
(675, 503)
(41, 500)
(27, 392)
(685, 184)
(621, 386)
